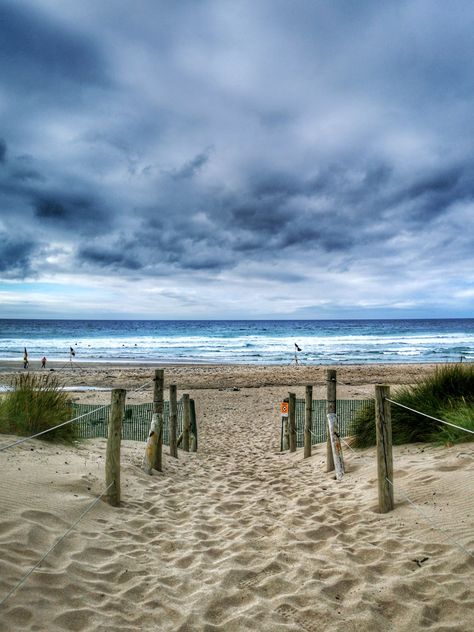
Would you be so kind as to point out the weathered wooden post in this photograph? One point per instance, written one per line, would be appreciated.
(383, 425)
(330, 408)
(173, 420)
(158, 411)
(292, 420)
(193, 424)
(308, 421)
(186, 422)
(112, 457)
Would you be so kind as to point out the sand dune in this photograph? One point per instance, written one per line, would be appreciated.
(237, 536)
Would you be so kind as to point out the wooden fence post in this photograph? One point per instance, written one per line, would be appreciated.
(112, 457)
(383, 424)
(158, 410)
(186, 422)
(292, 420)
(330, 408)
(193, 424)
(173, 420)
(308, 416)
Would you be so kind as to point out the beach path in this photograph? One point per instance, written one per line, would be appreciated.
(239, 536)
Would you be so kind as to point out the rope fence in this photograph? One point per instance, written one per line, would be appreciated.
(116, 421)
(441, 421)
(305, 419)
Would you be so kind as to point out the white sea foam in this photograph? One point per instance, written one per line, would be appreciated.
(267, 342)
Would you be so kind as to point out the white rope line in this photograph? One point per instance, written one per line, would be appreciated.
(405, 495)
(415, 506)
(64, 423)
(25, 577)
(142, 386)
(431, 521)
(359, 456)
(441, 421)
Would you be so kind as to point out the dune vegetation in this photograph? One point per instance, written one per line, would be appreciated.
(447, 394)
(36, 403)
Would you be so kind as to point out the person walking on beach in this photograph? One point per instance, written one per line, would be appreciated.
(43, 362)
(25, 359)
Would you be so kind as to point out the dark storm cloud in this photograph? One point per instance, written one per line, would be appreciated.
(3, 150)
(210, 137)
(106, 257)
(72, 212)
(434, 193)
(38, 52)
(15, 256)
(191, 168)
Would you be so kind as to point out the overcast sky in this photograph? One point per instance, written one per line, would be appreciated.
(236, 159)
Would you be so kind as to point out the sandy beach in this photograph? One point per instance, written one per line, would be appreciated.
(237, 536)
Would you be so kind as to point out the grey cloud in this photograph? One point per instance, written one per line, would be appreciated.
(192, 167)
(36, 51)
(3, 150)
(16, 256)
(306, 130)
(76, 212)
(107, 257)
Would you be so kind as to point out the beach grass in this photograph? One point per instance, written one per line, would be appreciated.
(36, 403)
(447, 394)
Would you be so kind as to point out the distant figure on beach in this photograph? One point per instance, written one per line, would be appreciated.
(25, 359)
(43, 362)
(72, 354)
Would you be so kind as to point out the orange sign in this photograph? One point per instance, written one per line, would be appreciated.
(284, 409)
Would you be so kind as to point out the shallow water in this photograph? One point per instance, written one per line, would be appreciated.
(235, 342)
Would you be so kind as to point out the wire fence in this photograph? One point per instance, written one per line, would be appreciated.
(347, 409)
(93, 422)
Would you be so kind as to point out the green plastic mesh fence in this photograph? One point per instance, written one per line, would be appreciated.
(136, 423)
(346, 411)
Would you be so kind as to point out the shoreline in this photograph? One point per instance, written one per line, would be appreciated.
(8, 364)
(354, 381)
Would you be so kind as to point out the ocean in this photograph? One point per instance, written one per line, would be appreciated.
(240, 342)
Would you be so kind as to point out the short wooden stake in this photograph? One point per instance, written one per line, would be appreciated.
(158, 410)
(151, 445)
(186, 422)
(292, 420)
(308, 416)
(173, 420)
(383, 425)
(112, 457)
(330, 408)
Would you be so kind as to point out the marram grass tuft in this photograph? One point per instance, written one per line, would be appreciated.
(447, 394)
(36, 404)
